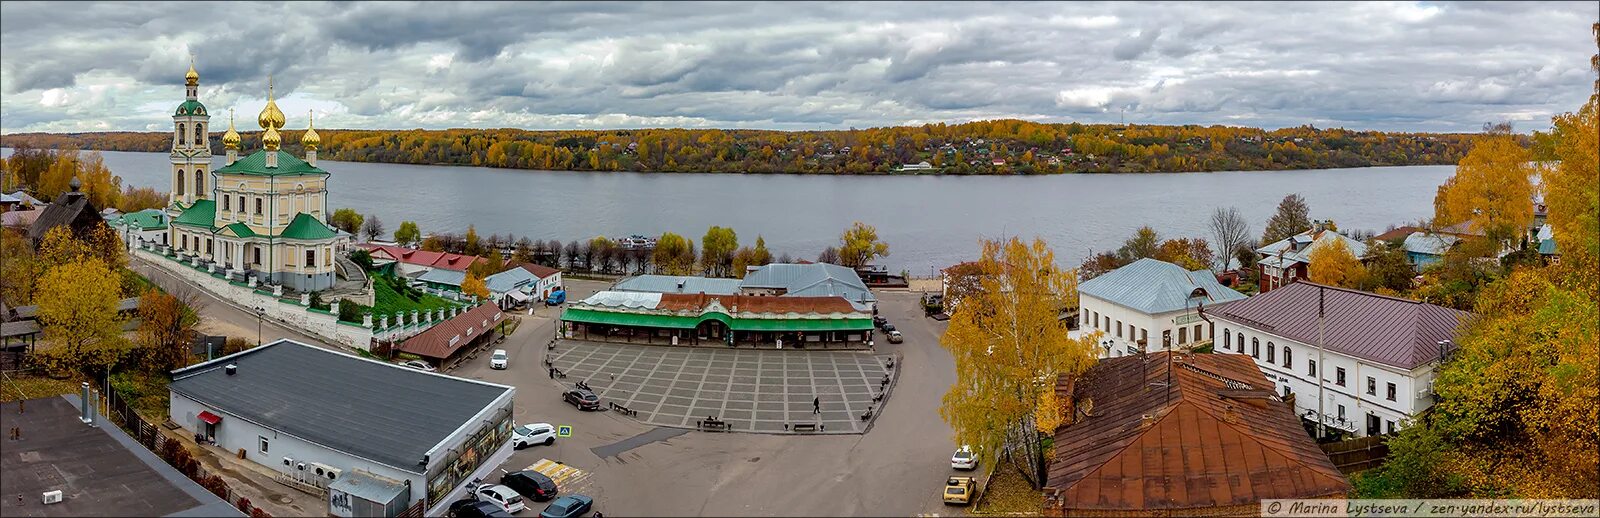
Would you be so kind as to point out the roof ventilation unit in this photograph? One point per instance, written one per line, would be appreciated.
(231, 369)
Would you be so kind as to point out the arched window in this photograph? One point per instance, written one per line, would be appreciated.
(199, 136)
(1227, 338)
(1288, 357)
(1241, 342)
(1255, 347)
(1272, 353)
(199, 182)
(179, 190)
(182, 134)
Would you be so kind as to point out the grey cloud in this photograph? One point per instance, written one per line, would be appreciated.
(807, 65)
(1136, 46)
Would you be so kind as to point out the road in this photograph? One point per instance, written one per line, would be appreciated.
(897, 468)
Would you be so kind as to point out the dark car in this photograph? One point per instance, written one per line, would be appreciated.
(530, 484)
(582, 399)
(878, 321)
(476, 509)
(888, 328)
(569, 506)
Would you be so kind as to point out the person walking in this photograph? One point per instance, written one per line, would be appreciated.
(816, 405)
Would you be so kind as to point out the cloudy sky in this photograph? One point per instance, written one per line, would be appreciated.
(1420, 66)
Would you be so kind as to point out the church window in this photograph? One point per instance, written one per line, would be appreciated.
(182, 134)
(179, 190)
(258, 206)
(311, 257)
(199, 182)
(199, 135)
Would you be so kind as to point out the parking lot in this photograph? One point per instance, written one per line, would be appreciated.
(752, 390)
(632, 467)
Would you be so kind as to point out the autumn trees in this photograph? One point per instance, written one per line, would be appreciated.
(346, 219)
(859, 245)
(1492, 191)
(1333, 264)
(407, 234)
(717, 249)
(674, 255)
(1190, 253)
(1010, 346)
(1229, 231)
(1293, 217)
(1519, 401)
(967, 148)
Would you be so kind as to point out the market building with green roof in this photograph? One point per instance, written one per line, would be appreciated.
(262, 215)
(676, 319)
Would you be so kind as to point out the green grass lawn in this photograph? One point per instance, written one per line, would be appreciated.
(391, 296)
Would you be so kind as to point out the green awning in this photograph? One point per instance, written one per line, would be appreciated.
(589, 316)
(801, 324)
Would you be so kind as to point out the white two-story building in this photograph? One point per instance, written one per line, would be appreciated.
(1376, 355)
(1150, 298)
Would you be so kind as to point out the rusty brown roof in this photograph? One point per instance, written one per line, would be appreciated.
(1388, 330)
(538, 270)
(756, 304)
(1215, 437)
(447, 337)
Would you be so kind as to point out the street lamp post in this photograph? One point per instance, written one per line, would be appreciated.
(261, 313)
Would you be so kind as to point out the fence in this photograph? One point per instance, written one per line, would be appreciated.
(1356, 455)
(173, 452)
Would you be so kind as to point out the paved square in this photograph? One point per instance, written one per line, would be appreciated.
(753, 390)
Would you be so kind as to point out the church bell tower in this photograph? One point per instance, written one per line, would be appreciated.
(191, 149)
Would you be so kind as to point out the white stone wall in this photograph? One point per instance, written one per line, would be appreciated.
(321, 325)
(1095, 313)
(1411, 388)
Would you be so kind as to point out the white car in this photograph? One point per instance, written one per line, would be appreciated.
(964, 459)
(531, 434)
(418, 365)
(505, 497)
(499, 360)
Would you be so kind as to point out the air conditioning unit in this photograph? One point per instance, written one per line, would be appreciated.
(301, 466)
(325, 471)
(50, 497)
(288, 462)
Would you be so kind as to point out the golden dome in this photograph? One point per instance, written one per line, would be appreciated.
(192, 78)
(271, 139)
(230, 140)
(311, 140)
(271, 117)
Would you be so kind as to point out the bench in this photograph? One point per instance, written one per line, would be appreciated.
(623, 410)
(866, 415)
(712, 424)
(805, 427)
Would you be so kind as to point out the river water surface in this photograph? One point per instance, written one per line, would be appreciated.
(928, 221)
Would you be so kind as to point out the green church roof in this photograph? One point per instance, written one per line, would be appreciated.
(148, 219)
(256, 164)
(239, 229)
(201, 214)
(190, 108)
(307, 227)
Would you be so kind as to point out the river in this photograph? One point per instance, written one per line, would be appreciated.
(928, 221)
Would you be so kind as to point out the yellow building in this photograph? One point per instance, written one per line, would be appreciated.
(263, 214)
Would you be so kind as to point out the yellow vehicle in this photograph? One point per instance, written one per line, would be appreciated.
(958, 490)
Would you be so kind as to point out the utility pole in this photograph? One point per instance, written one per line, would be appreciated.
(1321, 329)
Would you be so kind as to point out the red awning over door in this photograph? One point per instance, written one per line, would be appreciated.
(210, 418)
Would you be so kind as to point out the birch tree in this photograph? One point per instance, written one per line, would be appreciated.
(1010, 346)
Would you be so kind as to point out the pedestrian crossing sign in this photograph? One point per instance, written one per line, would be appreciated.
(564, 431)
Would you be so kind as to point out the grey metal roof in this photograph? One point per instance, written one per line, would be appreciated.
(810, 280)
(669, 284)
(509, 280)
(1151, 286)
(443, 276)
(374, 410)
(368, 486)
(1297, 248)
(1396, 332)
(1430, 244)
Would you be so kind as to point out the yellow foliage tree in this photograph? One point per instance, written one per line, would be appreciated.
(859, 245)
(474, 285)
(78, 312)
(1492, 190)
(1010, 346)
(1333, 264)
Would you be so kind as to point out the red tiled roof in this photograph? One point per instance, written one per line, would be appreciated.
(756, 304)
(1215, 437)
(1392, 331)
(445, 338)
(445, 260)
(538, 270)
